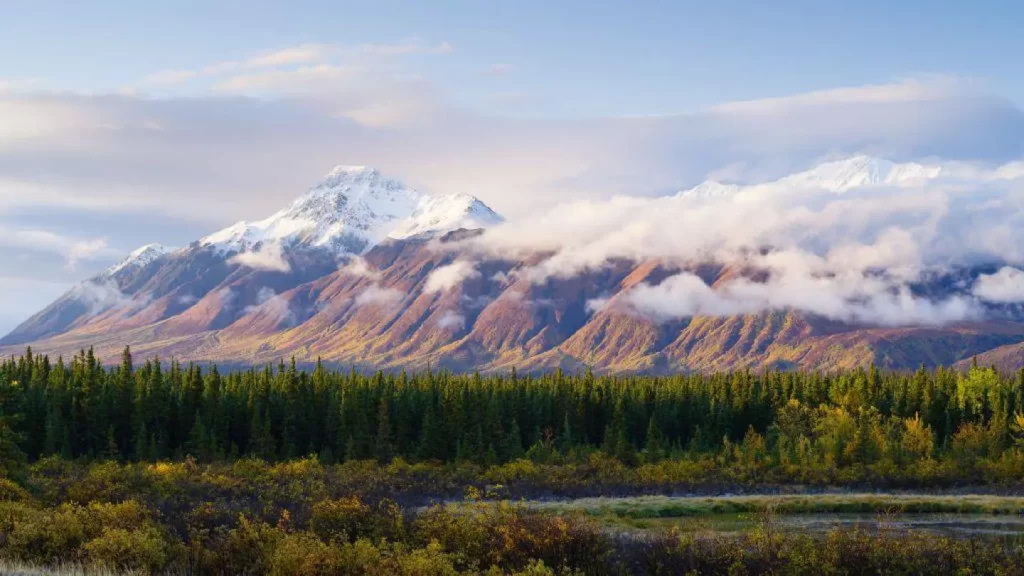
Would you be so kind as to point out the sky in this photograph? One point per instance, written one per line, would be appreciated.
(124, 123)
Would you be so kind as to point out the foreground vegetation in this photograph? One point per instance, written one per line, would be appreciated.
(302, 517)
(183, 469)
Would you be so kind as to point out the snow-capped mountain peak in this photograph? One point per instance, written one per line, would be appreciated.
(837, 176)
(442, 213)
(352, 209)
(140, 258)
(860, 171)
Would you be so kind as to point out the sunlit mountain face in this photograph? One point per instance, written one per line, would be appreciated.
(848, 263)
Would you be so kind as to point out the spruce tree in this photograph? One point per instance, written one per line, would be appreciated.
(432, 443)
(654, 449)
(383, 449)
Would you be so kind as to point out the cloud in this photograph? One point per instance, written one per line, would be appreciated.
(73, 250)
(1004, 287)
(322, 78)
(85, 250)
(685, 295)
(369, 96)
(270, 304)
(105, 153)
(412, 46)
(852, 240)
(451, 320)
(566, 185)
(377, 295)
(447, 277)
(19, 84)
(358, 266)
(268, 256)
(226, 297)
(293, 55)
(170, 77)
(102, 295)
(908, 90)
(292, 69)
(501, 69)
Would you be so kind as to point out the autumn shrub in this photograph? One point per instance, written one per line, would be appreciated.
(12, 492)
(344, 519)
(107, 482)
(431, 560)
(247, 548)
(145, 550)
(304, 554)
(511, 537)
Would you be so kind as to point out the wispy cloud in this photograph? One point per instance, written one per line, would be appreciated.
(170, 77)
(85, 250)
(73, 250)
(447, 277)
(300, 59)
(1004, 287)
(376, 295)
(10, 85)
(908, 90)
(407, 47)
(501, 69)
(107, 153)
(268, 256)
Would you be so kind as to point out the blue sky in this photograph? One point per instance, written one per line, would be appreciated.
(124, 123)
(557, 58)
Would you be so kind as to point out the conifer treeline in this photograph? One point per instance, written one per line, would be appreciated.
(83, 409)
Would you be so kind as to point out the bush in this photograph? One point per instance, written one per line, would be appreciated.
(305, 555)
(245, 549)
(48, 537)
(11, 492)
(143, 550)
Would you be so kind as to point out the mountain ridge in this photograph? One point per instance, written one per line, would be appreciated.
(362, 270)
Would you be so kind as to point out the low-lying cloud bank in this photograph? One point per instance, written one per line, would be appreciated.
(852, 240)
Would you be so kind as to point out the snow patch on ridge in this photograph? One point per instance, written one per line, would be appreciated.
(139, 258)
(837, 177)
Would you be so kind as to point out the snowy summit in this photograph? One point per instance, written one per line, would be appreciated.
(352, 209)
(140, 258)
(837, 177)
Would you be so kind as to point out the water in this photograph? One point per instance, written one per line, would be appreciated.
(960, 516)
(953, 525)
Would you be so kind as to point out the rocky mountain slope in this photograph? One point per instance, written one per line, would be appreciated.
(362, 270)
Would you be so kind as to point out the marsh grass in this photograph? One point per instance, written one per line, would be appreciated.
(11, 568)
(654, 507)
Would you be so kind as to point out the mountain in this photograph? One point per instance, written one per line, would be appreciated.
(362, 270)
(140, 258)
(223, 276)
(837, 177)
(351, 210)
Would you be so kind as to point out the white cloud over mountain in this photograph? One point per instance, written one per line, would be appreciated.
(848, 240)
